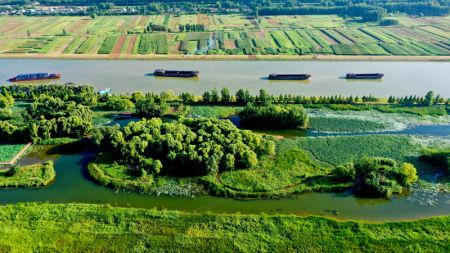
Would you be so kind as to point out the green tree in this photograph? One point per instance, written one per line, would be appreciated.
(206, 97)
(226, 97)
(150, 108)
(264, 98)
(429, 98)
(6, 100)
(118, 104)
(214, 96)
(241, 97)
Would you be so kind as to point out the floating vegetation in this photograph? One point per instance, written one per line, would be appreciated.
(428, 194)
(370, 121)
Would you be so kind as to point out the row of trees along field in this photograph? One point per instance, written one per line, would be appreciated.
(86, 95)
(369, 10)
(242, 97)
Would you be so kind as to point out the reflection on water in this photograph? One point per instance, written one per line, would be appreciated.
(127, 76)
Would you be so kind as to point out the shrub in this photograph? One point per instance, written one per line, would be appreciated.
(273, 117)
(378, 176)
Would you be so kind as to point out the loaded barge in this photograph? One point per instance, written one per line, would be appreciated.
(289, 76)
(34, 77)
(364, 76)
(176, 73)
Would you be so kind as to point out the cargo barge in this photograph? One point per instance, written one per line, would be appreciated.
(289, 76)
(364, 76)
(34, 77)
(176, 73)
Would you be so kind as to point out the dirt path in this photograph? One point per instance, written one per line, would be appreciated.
(17, 156)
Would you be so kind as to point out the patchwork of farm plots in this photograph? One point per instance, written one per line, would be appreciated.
(225, 34)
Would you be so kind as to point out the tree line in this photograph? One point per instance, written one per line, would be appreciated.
(369, 10)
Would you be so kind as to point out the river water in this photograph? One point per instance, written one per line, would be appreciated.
(126, 76)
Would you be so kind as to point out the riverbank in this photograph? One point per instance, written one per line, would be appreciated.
(375, 58)
(35, 175)
(98, 228)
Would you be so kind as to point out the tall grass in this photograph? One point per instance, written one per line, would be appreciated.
(35, 175)
(342, 149)
(334, 124)
(95, 228)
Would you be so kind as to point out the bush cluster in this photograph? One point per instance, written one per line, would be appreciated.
(189, 147)
(378, 176)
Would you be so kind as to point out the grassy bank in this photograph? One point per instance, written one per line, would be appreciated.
(93, 228)
(35, 175)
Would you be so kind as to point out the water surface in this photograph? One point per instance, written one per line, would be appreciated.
(127, 76)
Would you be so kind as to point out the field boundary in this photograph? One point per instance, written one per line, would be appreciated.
(318, 57)
(17, 156)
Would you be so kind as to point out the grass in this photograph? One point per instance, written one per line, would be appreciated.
(291, 171)
(8, 151)
(280, 35)
(342, 149)
(96, 228)
(118, 176)
(215, 111)
(35, 175)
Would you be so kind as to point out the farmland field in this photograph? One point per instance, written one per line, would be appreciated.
(222, 35)
(8, 151)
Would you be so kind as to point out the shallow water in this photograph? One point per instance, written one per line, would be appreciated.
(127, 76)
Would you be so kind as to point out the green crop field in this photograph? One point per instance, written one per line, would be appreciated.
(108, 45)
(225, 34)
(8, 151)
